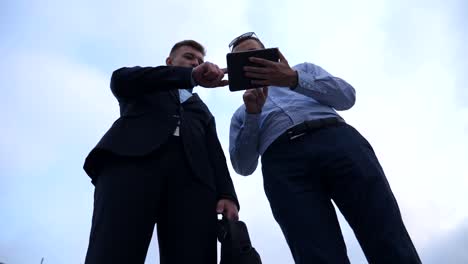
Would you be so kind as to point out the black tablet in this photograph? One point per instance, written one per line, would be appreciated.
(236, 62)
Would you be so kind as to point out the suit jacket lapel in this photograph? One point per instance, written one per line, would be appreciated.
(196, 105)
(175, 95)
(193, 99)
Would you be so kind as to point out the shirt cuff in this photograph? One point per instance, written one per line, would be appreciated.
(304, 80)
(251, 120)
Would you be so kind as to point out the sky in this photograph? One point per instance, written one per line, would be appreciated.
(407, 61)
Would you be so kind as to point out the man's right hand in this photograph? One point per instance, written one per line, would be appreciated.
(209, 75)
(254, 99)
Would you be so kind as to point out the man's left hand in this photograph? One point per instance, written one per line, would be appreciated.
(272, 73)
(228, 208)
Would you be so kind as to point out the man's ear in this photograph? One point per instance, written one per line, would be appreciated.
(168, 61)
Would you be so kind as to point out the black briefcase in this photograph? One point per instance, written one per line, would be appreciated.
(236, 247)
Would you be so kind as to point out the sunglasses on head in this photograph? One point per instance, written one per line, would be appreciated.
(248, 35)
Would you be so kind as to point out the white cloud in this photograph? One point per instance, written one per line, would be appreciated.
(399, 57)
(52, 104)
(51, 101)
(449, 247)
(406, 60)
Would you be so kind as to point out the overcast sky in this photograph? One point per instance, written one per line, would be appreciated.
(406, 59)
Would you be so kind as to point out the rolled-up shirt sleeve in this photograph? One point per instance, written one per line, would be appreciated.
(244, 141)
(315, 82)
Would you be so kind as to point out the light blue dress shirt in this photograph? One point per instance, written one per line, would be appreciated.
(316, 96)
(184, 95)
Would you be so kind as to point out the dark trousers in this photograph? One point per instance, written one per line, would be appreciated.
(303, 175)
(132, 194)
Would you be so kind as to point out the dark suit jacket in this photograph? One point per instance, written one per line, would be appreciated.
(150, 110)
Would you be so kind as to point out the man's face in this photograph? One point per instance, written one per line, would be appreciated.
(249, 44)
(185, 56)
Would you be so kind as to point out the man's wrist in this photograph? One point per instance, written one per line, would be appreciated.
(251, 118)
(230, 198)
(253, 112)
(293, 80)
(192, 80)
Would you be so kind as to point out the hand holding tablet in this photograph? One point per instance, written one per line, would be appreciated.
(246, 72)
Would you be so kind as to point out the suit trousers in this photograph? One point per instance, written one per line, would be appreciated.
(132, 194)
(304, 175)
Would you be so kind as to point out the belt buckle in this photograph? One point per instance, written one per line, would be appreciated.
(292, 137)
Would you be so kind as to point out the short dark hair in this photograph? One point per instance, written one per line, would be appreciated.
(191, 43)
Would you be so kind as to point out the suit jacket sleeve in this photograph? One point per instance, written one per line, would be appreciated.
(136, 81)
(224, 186)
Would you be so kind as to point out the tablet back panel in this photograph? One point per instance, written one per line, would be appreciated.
(236, 61)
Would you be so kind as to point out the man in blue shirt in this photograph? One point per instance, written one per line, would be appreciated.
(310, 156)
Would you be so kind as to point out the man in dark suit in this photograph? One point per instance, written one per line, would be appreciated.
(160, 162)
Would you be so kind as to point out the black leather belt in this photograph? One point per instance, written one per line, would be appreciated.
(310, 126)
